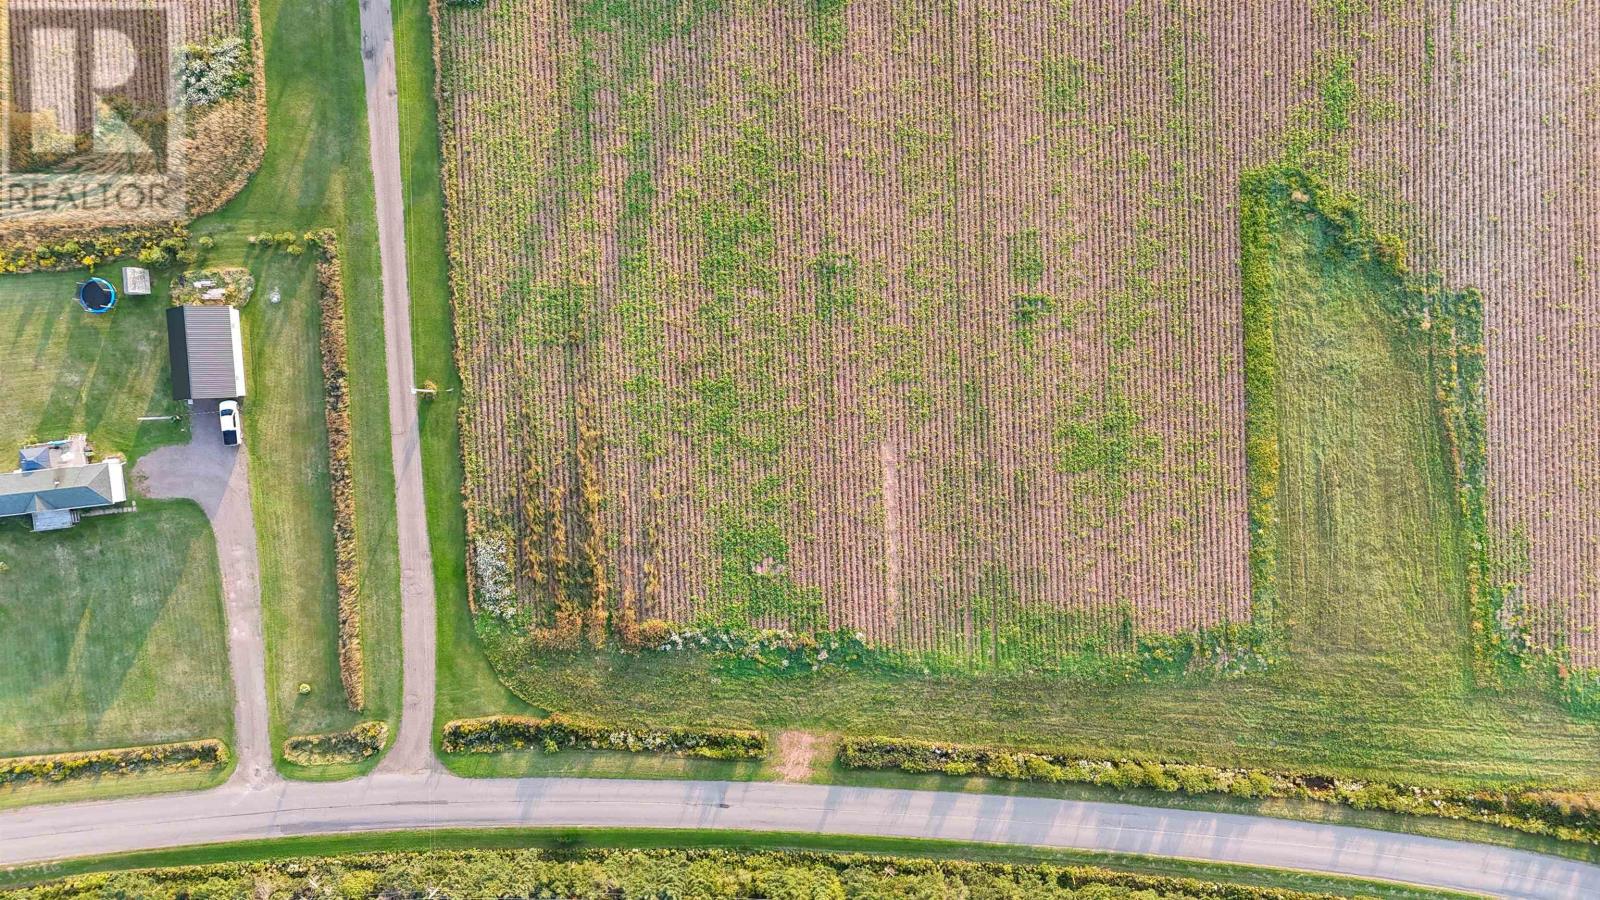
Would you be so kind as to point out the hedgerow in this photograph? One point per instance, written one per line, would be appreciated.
(336, 383)
(55, 249)
(56, 767)
(497, 734)
(1568, 817)
(626, 873)
(361, 742)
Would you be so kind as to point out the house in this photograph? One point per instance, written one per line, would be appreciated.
(54, 482)
(207, 352)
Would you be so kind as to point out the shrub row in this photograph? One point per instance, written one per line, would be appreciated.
(54, 249)
(1568, 817)
(54, 767)
(497, 734)
(602, 874)
(361, 742)
(336, 382)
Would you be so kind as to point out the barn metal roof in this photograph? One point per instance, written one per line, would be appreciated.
(207, 355)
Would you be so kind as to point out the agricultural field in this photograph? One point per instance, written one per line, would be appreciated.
(862, 382)
(211, 94)
(1373, 653)
(922, 322)
(920, 329)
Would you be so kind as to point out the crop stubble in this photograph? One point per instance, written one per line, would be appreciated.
(925, 322)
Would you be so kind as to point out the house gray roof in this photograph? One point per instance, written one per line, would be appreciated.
(207, 357)
(67, 487)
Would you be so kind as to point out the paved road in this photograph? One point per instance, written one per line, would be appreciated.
(437, 799)
(410, 790)
(412, 751)
(218, 478)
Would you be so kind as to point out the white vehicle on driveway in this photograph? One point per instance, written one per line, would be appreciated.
(232, 425)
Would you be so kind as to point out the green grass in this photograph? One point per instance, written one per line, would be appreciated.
(112, 633)
(316, 173)
(67, 371)
(466, 684)
(1373, 677)
(288, 446)
(568, 839)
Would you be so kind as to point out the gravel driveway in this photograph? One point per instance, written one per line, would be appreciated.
(218, 478)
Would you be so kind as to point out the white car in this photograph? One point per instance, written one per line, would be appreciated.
(232, 426)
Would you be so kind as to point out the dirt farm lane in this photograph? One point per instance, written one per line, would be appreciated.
(412, 750)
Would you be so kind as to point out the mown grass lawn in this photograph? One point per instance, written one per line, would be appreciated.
(67, 371)
(288, 447)
(112, 633)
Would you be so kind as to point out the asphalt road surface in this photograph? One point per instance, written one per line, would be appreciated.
(383, 802)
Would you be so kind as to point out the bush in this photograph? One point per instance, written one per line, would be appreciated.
(155, 247)
(56, 767)
(494, 587)
(336, 384)
(603, 874)
(361, 742)
(214, 72)
(497, 734)
(1565, 816)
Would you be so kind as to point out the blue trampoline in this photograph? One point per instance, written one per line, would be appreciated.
(96, 295)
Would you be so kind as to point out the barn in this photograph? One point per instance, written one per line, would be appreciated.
(207, 352)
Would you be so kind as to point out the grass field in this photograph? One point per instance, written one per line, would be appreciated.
(112, 633)
(597, 838)
(288, 449)
(316, 174)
